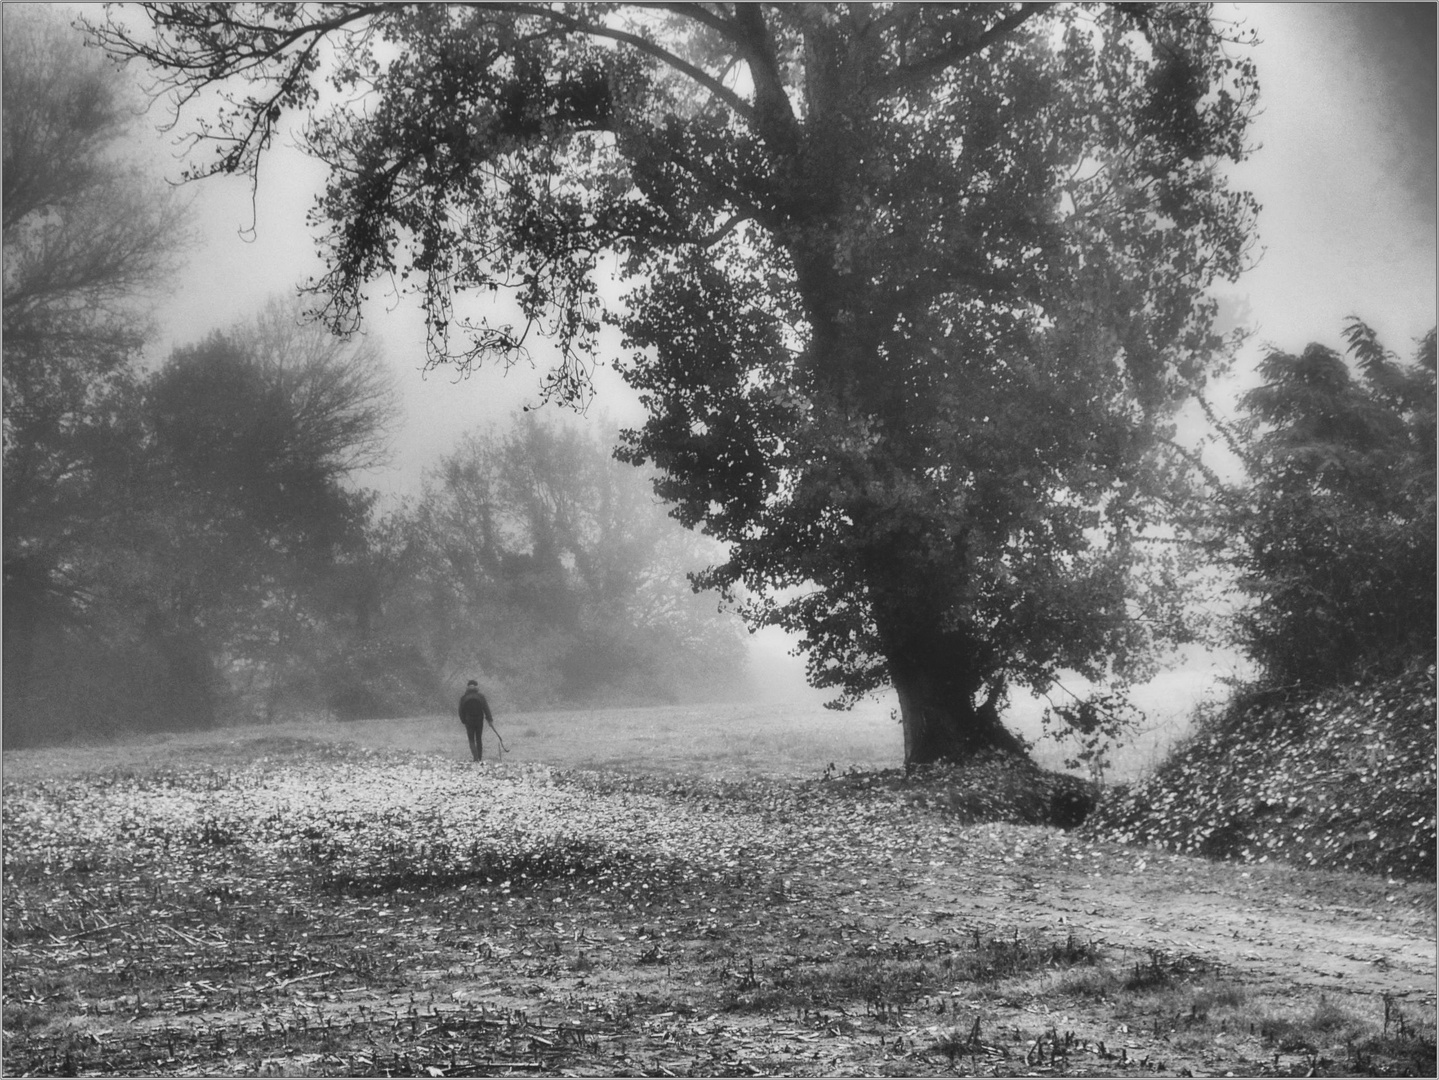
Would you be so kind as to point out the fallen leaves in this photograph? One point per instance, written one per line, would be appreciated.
(1344, 781)
(335, 910)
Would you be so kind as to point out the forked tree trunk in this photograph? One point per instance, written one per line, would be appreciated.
(941, 717)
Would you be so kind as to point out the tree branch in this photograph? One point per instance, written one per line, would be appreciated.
(946, 58)
(724, 230)
(772, 106)
(701, 14)
(644, 45)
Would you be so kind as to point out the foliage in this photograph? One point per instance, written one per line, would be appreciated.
(204, 559)
(279, 905)
(1343, 780)
(270, 416)
(371, 679)
(375, 657)
(912, 290)
(552, 573)
(86, 234)
(991, 788)
(1333, 531)
(254, 433)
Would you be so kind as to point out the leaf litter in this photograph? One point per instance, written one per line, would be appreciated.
(327, 910)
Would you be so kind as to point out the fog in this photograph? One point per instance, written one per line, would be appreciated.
(1345, 173)
(1346, 176)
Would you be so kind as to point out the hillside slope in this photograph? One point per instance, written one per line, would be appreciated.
(1342, 781)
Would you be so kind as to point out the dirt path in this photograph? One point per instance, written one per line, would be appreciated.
(1264, 925)
(1338, 933)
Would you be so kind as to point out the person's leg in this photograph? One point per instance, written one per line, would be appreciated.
(474, 737)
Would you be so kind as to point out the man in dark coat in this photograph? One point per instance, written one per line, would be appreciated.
(474, 714)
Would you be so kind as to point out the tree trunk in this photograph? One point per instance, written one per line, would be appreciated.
(937, 688)
(182, 693)
(24, 594)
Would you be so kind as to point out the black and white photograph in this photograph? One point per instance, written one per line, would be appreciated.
(719, 539)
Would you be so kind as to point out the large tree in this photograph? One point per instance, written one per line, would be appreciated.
(913, 289)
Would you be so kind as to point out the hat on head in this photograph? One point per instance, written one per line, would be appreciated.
(473, 682)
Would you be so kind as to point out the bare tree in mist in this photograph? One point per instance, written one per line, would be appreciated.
(551, 568)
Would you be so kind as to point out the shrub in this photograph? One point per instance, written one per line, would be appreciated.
(1333, 533)
(991, 788)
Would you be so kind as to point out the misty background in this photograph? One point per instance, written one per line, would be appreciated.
(1345, 175)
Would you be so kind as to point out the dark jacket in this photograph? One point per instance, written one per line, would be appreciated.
(474, 709)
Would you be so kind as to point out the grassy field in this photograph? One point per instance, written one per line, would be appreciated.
(718, 741)
(724, 741)
(652, 892)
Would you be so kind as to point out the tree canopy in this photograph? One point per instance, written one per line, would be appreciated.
(1332, 529)
(247, 497)
(911, 291)
(266, 419)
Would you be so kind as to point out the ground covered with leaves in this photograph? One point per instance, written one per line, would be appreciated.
(1342, 781)
(292, 907)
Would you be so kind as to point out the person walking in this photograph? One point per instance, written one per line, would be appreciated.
(474, 714)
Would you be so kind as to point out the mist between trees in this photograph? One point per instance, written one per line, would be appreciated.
(184, 548)
(209, 562)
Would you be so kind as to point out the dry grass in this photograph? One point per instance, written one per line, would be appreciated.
(718, 741)
(780, 741)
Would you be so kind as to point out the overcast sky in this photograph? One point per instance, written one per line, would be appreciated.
(1345, 173)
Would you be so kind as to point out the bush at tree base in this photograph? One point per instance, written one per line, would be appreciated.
(993, 787)
(1344, 780)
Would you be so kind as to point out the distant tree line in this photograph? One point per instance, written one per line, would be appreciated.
(210, 561)
(186, 546)
(552, 568)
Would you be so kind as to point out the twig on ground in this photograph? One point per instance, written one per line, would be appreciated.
(61, 939)
(304, 978)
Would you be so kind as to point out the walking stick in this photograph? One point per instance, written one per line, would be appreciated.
(496, 730)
